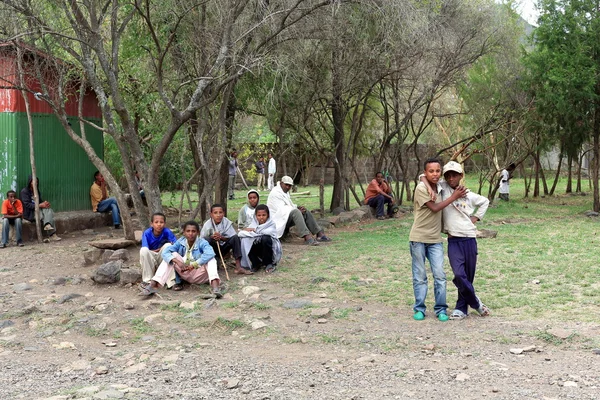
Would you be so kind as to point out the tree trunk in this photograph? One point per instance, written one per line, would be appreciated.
(569, 188)
(557, 175)
(596, 158)
(337, 113)
(36, 194)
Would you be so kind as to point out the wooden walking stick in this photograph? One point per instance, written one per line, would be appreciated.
(222, 262)
(219, 249)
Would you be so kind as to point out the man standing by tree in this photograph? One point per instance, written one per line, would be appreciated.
(233, 165)
(46, 213)
(505, 176)
(260, 172)
(272, 170)
(101, 202)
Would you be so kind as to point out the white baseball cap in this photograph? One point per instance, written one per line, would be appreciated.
(453, 166)
(287, 180)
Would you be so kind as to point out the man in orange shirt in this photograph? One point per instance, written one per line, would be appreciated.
(12, 210)
(378, 194)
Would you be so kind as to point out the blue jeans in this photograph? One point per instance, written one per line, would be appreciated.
(434, 252)
(6, 223)
(110, 204)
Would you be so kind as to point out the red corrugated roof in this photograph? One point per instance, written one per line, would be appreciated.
(11, 100)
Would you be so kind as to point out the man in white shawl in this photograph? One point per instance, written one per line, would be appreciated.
(260, 245)
(221, 235)
(286, 214)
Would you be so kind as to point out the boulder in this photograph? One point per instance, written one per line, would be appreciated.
(91, 256)
(112, 244)
(130, 275)
(108, 273)
(486, 234)
(338, 210)
(138, 236)
(120, 254)
(106, 254)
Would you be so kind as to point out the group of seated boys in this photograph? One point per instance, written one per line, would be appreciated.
(167, 261)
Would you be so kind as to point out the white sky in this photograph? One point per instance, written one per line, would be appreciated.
(528, 11)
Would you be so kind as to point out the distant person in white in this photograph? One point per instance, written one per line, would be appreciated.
(272, 170)
(505, 177)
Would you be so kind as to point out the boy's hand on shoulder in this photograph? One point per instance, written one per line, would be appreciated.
(459, 192)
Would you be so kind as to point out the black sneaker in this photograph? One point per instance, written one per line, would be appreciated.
(117, 226)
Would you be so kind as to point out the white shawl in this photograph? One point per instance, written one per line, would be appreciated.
(280, 205)
(247, 240)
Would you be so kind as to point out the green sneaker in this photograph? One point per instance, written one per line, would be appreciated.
(419, 316)
(442, 317)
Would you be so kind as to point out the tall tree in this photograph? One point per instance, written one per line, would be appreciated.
(564, 75)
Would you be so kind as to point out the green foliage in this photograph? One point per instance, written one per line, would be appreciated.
(562, 70)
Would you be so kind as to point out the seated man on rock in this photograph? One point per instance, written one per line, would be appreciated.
(101, 202)
(378, 194)
(12, 212)
(286, 214)
(46, 213)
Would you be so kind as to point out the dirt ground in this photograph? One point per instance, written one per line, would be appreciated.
(64, 337)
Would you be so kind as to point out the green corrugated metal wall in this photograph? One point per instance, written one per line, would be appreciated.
(63, 168)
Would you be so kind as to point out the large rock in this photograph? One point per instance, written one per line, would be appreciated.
(369, 211)
(108, 273)
(91, 256)
(112, 244)
(486, 234)
(338, 210)
(121, 254)
(106, 254)
(138, 236)
(130, 275)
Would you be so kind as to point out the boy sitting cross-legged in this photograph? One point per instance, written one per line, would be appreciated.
(192, 258)
(218, 230)
(154, 240)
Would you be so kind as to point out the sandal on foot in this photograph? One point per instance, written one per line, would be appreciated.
(311, 242)
(243, 271)
(324, 238)
(148, 291)
(457, 315)
(419, 316)
(483, 310)
(178, 287)
(217, 292)
(269, 269)
(442, 317)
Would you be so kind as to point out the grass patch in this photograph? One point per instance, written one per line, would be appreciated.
(228, 324)
(260, 306)
(330, 339)
(542, 264)
(140, 326)
(230, 304)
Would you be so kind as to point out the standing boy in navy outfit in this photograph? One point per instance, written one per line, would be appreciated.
(459, 222)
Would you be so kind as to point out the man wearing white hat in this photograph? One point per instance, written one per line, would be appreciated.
(286, 214)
